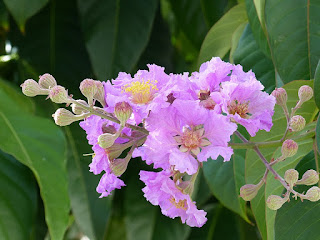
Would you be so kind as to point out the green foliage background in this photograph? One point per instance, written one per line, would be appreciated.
(46, 190)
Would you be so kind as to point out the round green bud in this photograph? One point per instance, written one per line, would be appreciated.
(280, 95)
(313, 194)
(106, 140)
(88, 88)
(305, 93)
(122, 111)
(291, 177)
(275, 202)
(289, 148)
(297, 123)
(310, 177)
(47, 81)
(77, 109)
(63, 117)
(249, 191)
(59, 94)
(31, 88)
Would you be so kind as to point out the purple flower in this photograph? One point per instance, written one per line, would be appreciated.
(246, 104)
(161, 190)
(183, 134)
(146, 91)
(108, 183)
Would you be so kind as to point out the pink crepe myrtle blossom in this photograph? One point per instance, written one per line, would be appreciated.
(146, 91)
(245, 103)
(182, 138)
(94, 127)
(161, 190)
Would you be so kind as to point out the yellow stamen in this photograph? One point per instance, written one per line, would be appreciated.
(240, 108)
(182, 204)
(141, 92)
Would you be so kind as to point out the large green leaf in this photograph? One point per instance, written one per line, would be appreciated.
(91, 212)
(255, 168)
(316, 86)
(293, 28)
(39, 144)
(190, 19)
(255, 10)
(249, 55)
(140, 217)
(317, 139)
(225, 180)
(219, 39)
(18, 199)
(22, 10)
(53, 43)
(296, 219)
(116, 33)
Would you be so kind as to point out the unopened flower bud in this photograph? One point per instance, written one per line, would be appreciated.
(122, 111)
(289, 148)
(64, 117)
(281, 96)
(275, 202)
(59, 94)
(106, 140)
(305, 93)
(297, 123)
(119, 166)
(291, 177)
(77, 109)
(88, 88)
(310, 177)
(31, 88)
(313, 194)
(100, 94)
(249, 191)
(47, 81)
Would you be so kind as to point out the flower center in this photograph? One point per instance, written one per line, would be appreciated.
(182, 204)
(192, 139)
(141, 92)
(239, 108)
(203, 95)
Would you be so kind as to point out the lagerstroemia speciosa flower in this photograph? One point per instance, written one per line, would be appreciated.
(186, 120)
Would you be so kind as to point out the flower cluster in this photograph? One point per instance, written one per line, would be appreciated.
(174, 122)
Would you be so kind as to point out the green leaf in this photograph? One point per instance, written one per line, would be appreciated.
(296, 219)
(140, 215)
(318, 134)
(293, 28)
(213, 10)
(190, 19)
(91, 212)
(316, 86)
(55, 44)
(255, 168)
(24, 102)
(255, 10)
(18, 199)
(225, 180)
(116, 33)
(22, 10)
(39, 144)
(219, 39)
(249, 55)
